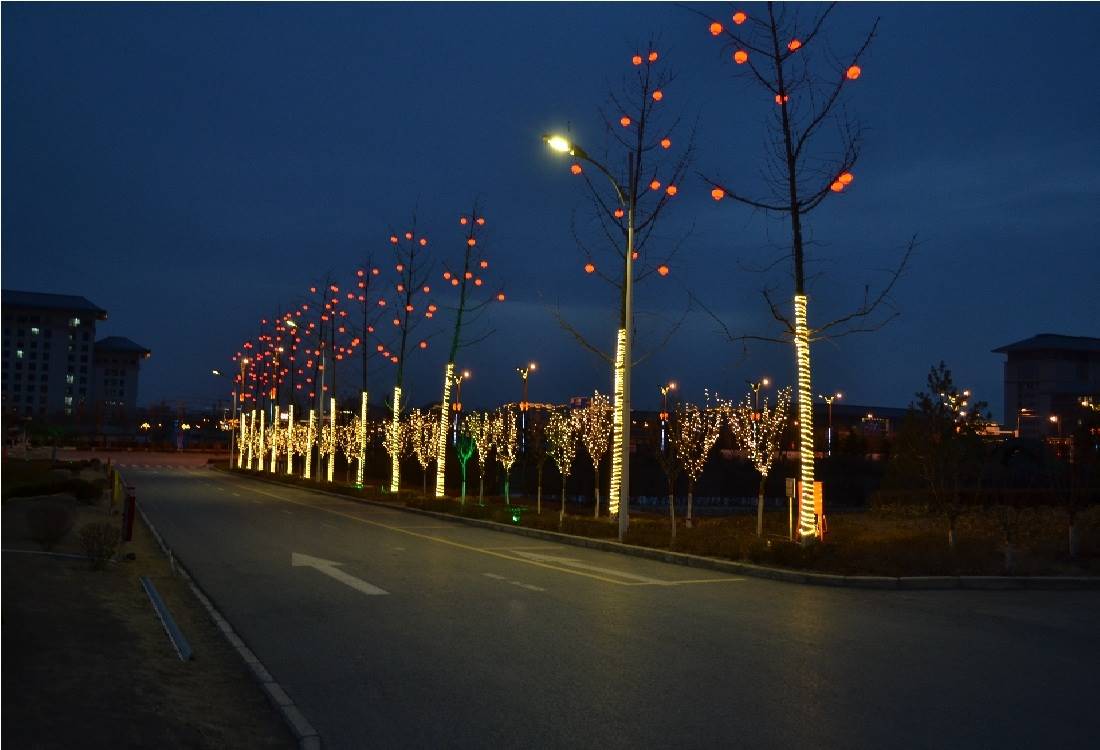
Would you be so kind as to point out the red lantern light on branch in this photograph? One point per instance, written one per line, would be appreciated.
(853, 72)
(715, 29)
(740, 57)
(662, 269)
(624, 121)
(718, 194)
(740, 17)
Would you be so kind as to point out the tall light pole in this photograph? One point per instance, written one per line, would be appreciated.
(456, 407)
(669, 386)
(829, 434)
(619, 495)
(524, 373)
(756, 387)
(238, 393)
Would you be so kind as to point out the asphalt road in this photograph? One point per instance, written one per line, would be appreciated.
(490, 639)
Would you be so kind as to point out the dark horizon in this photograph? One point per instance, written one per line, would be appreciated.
(191, 169)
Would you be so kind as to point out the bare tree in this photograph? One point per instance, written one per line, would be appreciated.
(644, 173)
(814, 146)
(467, 278)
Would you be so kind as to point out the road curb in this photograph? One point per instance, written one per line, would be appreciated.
(787, 575)
(296, 722)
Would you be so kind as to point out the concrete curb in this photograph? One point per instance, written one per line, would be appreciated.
(787, 575)
(296, 722)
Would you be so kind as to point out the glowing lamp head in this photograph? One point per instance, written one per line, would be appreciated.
(853, 72)
(793, 45)
(740, 57)
(715, 29)
(658, 95)
(672, 190)
(662, 269)
(655, 185)
(558, 143)
(740, 17)
(718, 194)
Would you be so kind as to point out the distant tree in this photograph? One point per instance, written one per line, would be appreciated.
(694, 433)
(940, 444)
(670, 466)
(538, 450)
(423, 429)
(506, 442)
(594, 426)
(479, 426)
(464, 449)
(561, 441)
(758, 433)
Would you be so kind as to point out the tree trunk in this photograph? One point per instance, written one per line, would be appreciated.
(597, 515)
(425, 476)
(672, 518)
(481, 489)
(507, 495)
(951, 534)
(1010, 557)
(444, 430)
(1074, 541)
(691, 493)
(806, 522)
(395, 460)
(539, 501)
(561, 513)
(462, 498)
(760, 508)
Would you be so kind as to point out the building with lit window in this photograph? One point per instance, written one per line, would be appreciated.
(1045, 378)
(50, 357)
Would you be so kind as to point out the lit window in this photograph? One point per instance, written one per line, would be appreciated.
(34, 331)
(74, 322)
(68, 401)
(68, 378)
(19, 354)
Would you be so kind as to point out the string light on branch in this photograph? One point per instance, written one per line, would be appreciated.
(575, 168)
(653, 56)
(589, 267)
(636, 60)
(663, 270)
(658, 95)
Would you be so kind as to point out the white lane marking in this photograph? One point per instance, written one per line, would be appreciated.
(521, 584)
(328, 525)
(328, 567)
(236, 494)
(570, 562)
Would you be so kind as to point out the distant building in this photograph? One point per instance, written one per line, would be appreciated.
(117, 360)
(50, 358)
(1045, 378)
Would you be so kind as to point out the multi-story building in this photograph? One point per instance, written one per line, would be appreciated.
(50, 355)
(1045, 378)
(117, 360)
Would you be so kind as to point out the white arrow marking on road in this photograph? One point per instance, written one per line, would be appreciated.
(585, 566)
(328, 567)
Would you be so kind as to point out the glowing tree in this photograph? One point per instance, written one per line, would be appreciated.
(478, 426)
(300, 442)
(594, 425)
(395, 439)
(412, 285)
(816, 146)
(467, 279)
(538, 450)
(561, 442)
(506, 442)
(424, 434)
(464, 449)
(759, 432)
(643, 179)
(693, 433)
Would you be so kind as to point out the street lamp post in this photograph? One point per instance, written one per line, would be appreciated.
(524, 372)
(238, 394)
(756, 387)
(669, 386)
(619, 495)
(829, 434)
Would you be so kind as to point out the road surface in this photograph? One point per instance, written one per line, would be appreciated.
(391, 629)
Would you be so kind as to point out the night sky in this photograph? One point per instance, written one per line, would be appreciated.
(193, 168)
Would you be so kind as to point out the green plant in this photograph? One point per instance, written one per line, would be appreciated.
(49, 524)
(100, 541)
(86, 493)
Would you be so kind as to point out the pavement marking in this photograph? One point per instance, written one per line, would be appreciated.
(493, 553)
(521, 584)
(328, 525)
(288, 512)
(330, 569)
(573, 563)
(700, 580)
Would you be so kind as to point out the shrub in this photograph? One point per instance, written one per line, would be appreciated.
(49, 524)
(86, 493)
(100, 541)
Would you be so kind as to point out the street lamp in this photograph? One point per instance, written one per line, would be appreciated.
(456, 407)
(829, 434)
(756, 387)
(669, 386)
(619, 495)
(524, 372)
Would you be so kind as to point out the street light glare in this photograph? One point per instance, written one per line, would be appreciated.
(532, 366)
(215, 372)
(558, 143)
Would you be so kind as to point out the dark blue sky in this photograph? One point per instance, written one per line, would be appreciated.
(188, 167)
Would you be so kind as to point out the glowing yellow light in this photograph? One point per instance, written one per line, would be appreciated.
(291, 439)
(395, 441)
(559, 144)
(444, 424)
(361, 438)
(806, 522)
(506, 442)
(274, 440)
(331, 439)
(310, 432)
(615, 489)
(241, 443)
